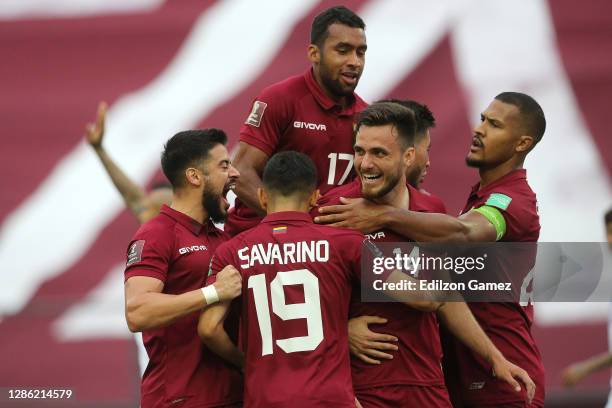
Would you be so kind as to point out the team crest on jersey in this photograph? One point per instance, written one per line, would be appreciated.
(256, 114)
(135, 252)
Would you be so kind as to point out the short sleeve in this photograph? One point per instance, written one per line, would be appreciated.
(220, 259)
(266, 122)
(495, 209)
(149, 254)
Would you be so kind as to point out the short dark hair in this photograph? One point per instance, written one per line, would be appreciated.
(339, 14)
(425, 119)
(188, 149)
(389, 113)
(290, 173)
(532, 115)
(608, 216)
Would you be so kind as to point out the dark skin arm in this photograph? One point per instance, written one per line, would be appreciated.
(250, 162)
(367, 217)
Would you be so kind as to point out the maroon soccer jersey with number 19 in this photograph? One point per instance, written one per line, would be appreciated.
(296, 114)
(507, 324)
(297, 279)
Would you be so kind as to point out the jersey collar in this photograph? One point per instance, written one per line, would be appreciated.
(186, 221)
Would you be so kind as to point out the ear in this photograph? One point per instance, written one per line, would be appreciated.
(524, 144)
(194, 176)
(314, 197)
(262, 196)
(409, 156)
(314, 54)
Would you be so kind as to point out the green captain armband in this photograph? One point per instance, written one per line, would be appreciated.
(495, 217)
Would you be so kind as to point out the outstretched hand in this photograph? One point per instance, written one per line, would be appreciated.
(94, 132)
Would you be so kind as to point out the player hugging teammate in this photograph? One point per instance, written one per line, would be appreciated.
(277, 307)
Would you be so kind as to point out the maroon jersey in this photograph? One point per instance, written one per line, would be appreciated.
(507, 324)
(296, 114)
(417, 362)
(176, 249)
(296, 289)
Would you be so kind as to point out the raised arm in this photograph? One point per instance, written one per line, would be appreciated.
(134, 196)
(250, 162)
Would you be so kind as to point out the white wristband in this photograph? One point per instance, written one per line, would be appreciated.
(210, 294)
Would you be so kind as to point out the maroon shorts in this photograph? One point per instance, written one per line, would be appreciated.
(404, 396)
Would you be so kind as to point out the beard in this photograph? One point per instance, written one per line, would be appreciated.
(334, 85)
(211, 201)
(385, 189)
(476, 163)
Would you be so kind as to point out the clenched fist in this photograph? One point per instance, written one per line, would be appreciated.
(228, 283)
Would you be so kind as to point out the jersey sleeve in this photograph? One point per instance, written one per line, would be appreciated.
(266, 122)
(220, 259)
(495, 210)
(149, 254)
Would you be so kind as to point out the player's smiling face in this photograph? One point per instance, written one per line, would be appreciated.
(495, 138)
(339, 62)
(220, 177)
(380, 160)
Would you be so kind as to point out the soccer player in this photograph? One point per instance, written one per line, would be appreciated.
(360, 334)
(297, 285)
(142, 205)
(384, 149)
(500, 207)
(578, 371)
(165, 277)
(310, 113)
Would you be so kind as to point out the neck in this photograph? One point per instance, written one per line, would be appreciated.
(190, 205)
(399, 197)
(488, 176)
(340, 100)
(281, 204)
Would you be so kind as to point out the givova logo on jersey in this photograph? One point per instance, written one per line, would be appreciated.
(194, 248)
(307, 125)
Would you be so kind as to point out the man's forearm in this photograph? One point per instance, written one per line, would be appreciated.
(460, 321)
(152, 310)
(221, 344)
(425, 227)
(132, 194)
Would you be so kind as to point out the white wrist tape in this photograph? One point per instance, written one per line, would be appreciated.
(210, 294)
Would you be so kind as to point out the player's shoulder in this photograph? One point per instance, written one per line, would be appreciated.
(426, 201)
(160, 227)
(352, 189)
(339, 235)
(291, 88)
(360, 104)
(512, 193)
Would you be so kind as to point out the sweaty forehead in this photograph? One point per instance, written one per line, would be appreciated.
(340, 33)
